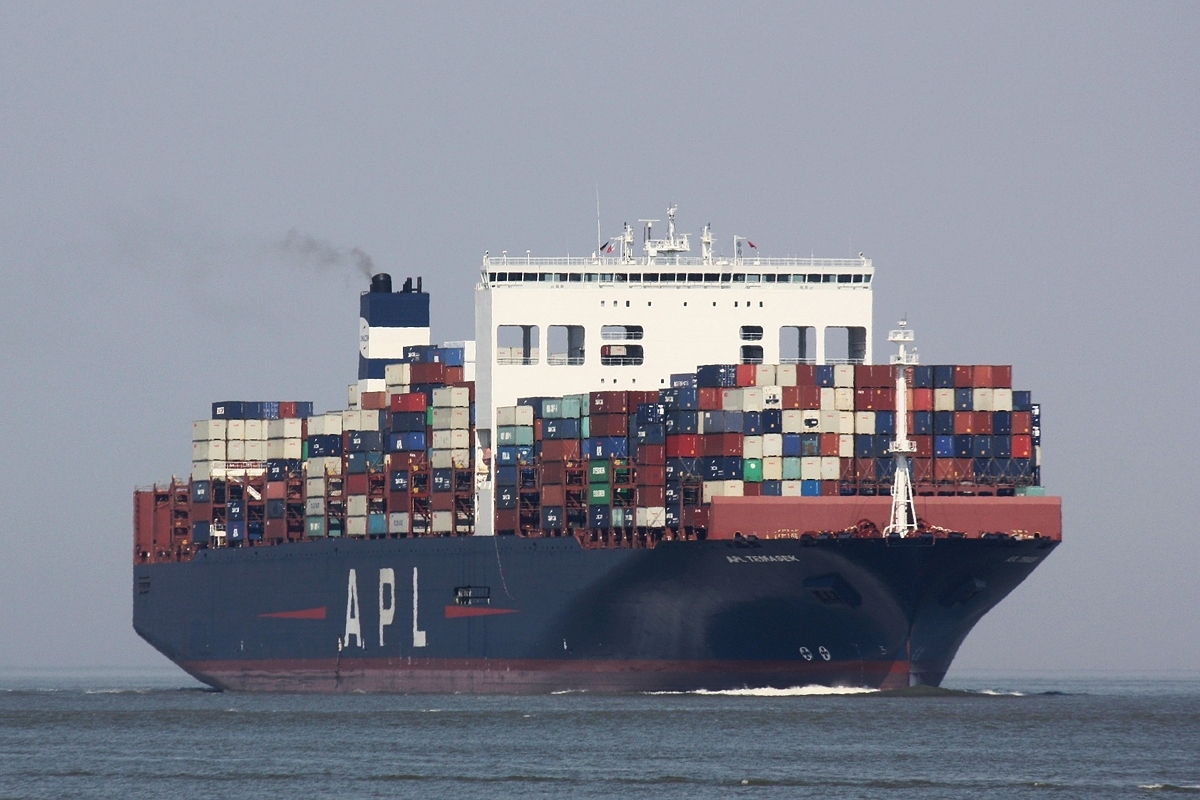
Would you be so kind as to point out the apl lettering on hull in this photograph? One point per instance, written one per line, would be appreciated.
(387, 609)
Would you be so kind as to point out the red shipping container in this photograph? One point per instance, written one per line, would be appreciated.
(964, 422)
(723, 444)
(751, 489)
(791, 397)
(356, 483)
(1022, 423)
(709, 399)
(847, 469)
(275, 529)
(863, 376)
(829, 444)
(924, 446)
(454, 374)
(922, 399)
(442, 501)
(373, 401)
(953, 470)
(864, 469)
(506, 519)
(810, 397)
(1002, 376)
(287, 409)
(554, 495)
(685, 446)
(922, 469)
(885, 398)
(398, 501)
(652, 454)
(275, 490)
(413, 401)
(561, 450)
(963, 376)
(609, 402)
(806, 375)
(537, 430)
(830, 489)
(609, 425)
(981, 376)
(648, 496)
(406, 460)
(649, 475)
(434, 372)
(1022, 446)
(864, 399)
(746, 374)
(552, 472)
(981, 422)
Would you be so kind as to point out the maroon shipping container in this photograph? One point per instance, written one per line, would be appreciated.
(829, 444)
(709, 399)
(276, 490)
(751, 489)
(552, 472)
(952, 470)
(399, 501)
(864, 469)
(806, 375)
(648, 496)
(506, 519)
(288, 409)
(723, 444)
(608, 403)
(537, 430)
(373, 401)
(922, 469)
(454, 374)
(407, 460)
(964, 422)
(1002, 376)
(810, 397)
(830, 489)
(964, 376)
(275, 529)
(442, 501)
(688, 445)
(651, 476)
(554, 495)
(609, 424)
(981, 422)
(434, 372)
(981, 376)
(356, 483)
(652, 454)
(561, 450)
(791, 397)
(924, 446)
(1022, 423)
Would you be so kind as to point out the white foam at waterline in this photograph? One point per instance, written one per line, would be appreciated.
(996, 693)
(794, 691)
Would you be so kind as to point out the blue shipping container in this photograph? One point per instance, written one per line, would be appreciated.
(717, 376)
(399, 480)
(943, 446)
(791, 444)
(772, 420)
(810, 488)
(686, 398)
(922, 376)
(964, 399)
(943, 376)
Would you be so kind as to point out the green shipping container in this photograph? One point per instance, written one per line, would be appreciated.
(315, 527)
(304, 450)
(752, 470)
(599, 472)
(585, 427)
(524, 436)
(791, 468)
(599, 494)
(573, 405)
(336, 526)
(552, 408)
(1031, 491)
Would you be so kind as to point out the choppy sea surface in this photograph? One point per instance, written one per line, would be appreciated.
(157, 734)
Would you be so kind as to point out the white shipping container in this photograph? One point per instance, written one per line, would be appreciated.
(256, 429)
(209, 451)
(828, 401)
(793, 421)
(981, 400)
(460, 458)
(398, 522)
(656, 517)
(843, 399)
(764, 375)
(792, 489)
(843, 375)
(525, 416)
(440, 459)
(441, 440)
(785, 375)
(812, 420)
(831, 468)
(1002, 399)
(731, 400)
(452, 396)
(317, 467)
(314, 507)
(752, 399)
(443, 522)
(460, 439)
(356, 505)
(256, 450)
(235, 450)
(325, 425)
(772, 468)
(460, 418)
(356, 526)
(772, 397)
(205, 430)
(864, 422)
(469, 371)
(398, 373)
(830, 421)
(752, 447)
(506, 416)
(845, 422)
(356, 420)
(284, 448)
(772, 445)
(810, 468)
(235, 429)
(442, 418)
(314, 487)
(202, 470)
(285, 428)
(352, 395)
(846, 445)
(943, 399)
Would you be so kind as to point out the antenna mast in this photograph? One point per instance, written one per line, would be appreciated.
(599, 242)
(904, 511)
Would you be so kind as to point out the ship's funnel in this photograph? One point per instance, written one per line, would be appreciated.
(381, 282)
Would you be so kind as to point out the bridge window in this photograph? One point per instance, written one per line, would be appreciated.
(621, 355)
(564, 345)
(621, 333)
(845, 345)
(751, 333)
(517, 344)
(797, 344)
(752, 354)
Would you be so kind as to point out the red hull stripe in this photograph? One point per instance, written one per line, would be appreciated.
(455, 612)
(304, 613)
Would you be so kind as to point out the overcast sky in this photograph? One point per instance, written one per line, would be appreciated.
(1023, 175)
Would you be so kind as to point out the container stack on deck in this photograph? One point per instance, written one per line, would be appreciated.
(615, 466)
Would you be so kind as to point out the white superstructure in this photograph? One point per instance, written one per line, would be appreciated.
(624, 321)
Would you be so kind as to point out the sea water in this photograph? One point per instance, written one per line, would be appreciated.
(149, 735)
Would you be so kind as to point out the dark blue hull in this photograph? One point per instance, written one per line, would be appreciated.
(505, 614)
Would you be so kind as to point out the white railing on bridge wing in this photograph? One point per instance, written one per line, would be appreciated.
(719, 265)
(559, 360)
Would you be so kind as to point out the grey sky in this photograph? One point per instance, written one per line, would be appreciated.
(1024, 176)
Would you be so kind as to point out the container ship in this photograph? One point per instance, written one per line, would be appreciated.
(649, 471)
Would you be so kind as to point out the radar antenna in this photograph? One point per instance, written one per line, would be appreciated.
(672, 244)
(904, 512)
(706, 243)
